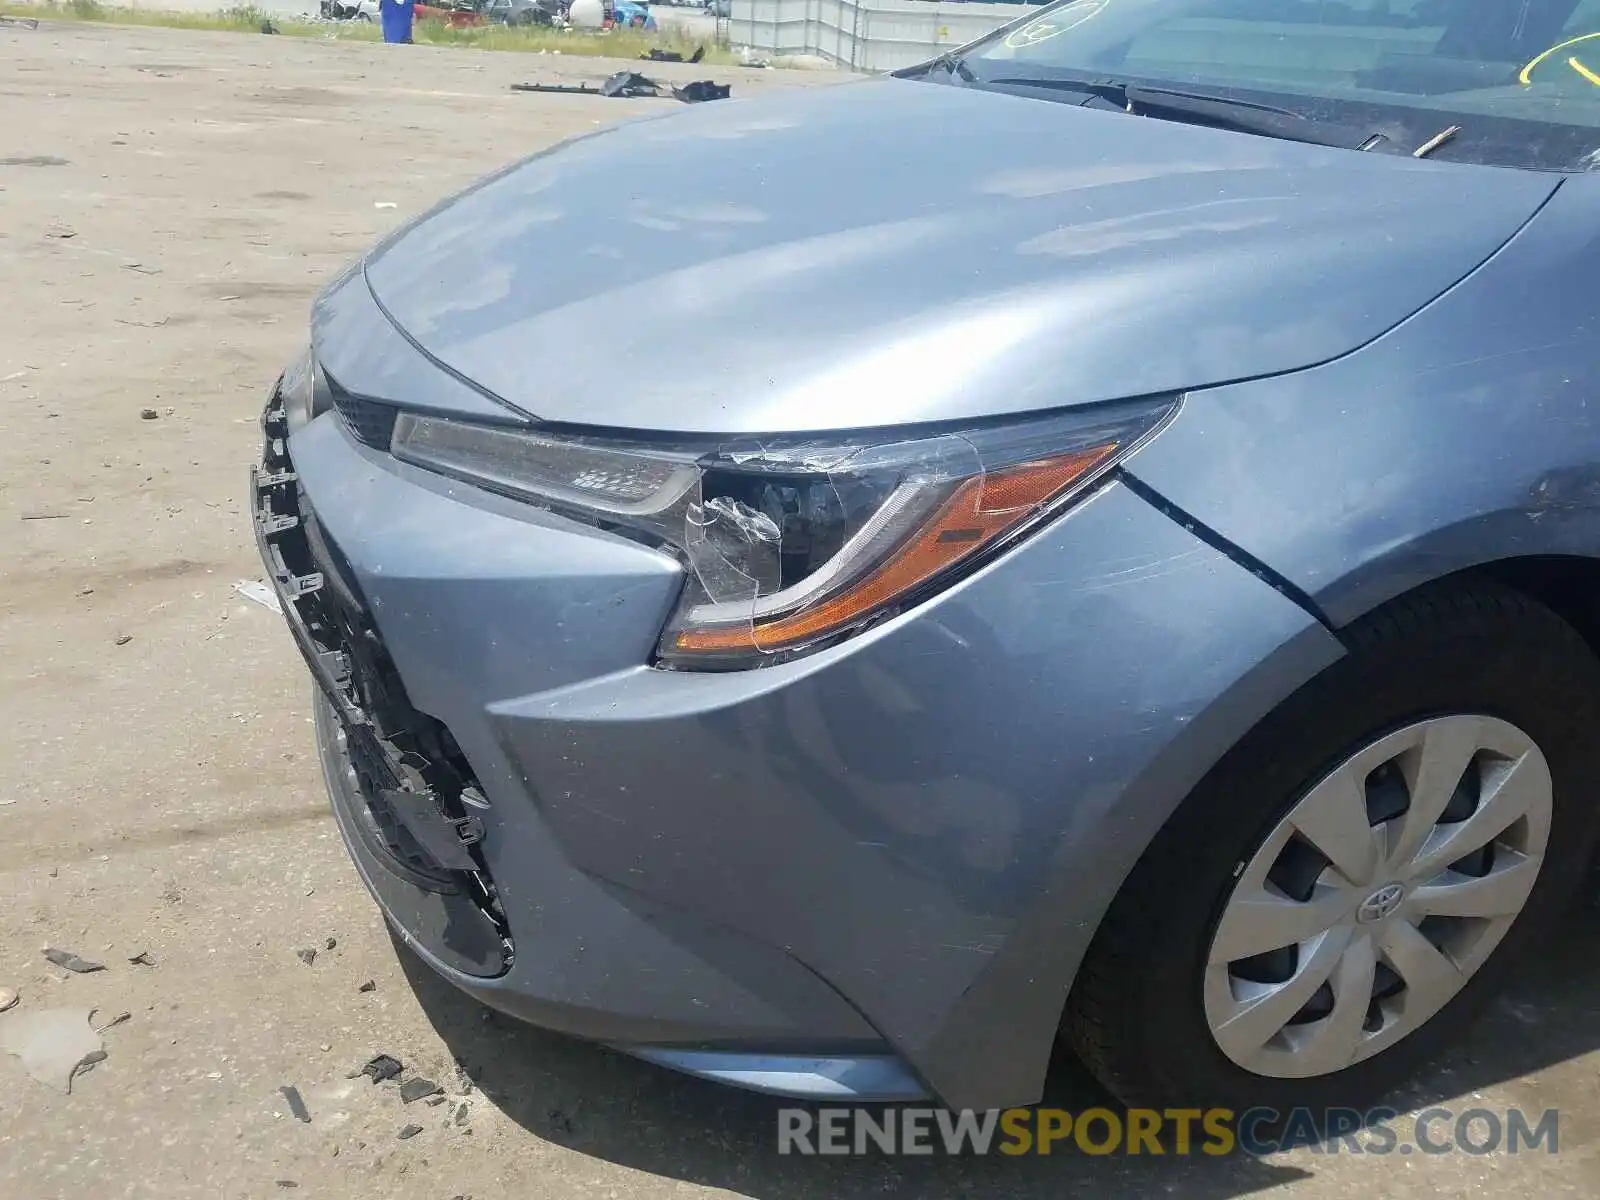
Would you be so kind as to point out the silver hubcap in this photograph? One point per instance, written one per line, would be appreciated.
(1380, 894)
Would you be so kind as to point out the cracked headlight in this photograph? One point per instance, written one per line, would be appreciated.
(791, 544)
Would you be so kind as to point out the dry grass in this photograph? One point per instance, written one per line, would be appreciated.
(241, 19)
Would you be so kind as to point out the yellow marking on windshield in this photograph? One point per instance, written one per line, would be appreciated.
(1524, 76)
(1054, 24)
(1584, 71)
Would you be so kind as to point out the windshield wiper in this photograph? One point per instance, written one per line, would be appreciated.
(952, 64)
(1220, 112)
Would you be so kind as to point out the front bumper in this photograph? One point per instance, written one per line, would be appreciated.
(867, 872)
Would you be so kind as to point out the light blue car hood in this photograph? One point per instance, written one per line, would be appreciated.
(894, 251)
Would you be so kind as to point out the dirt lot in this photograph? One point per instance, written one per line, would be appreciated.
(169, 204)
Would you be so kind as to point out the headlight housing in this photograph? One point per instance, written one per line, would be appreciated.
(791, 545)
(305, 391)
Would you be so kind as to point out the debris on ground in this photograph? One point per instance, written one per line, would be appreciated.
(370, 985)
(8, 998)
(702, 90)
(122, 639)
(655, 55)
(142, 959)
(254, 589)
(435, 1100)
(297, 1106)
(55, 1045)
(330, 943)
(463, 1110)
(416, 1088)
(409, 1131)
(268, 27)
(381, 1068)
(286, 1183)
(384, 204)
(307, 955)
(86, 1064)
(115, 1021)
(629, 84)
(148, 414)
(25, 22)
(66, 959)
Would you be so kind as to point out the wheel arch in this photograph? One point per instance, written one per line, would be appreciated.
(1567, 584)
(1474, 603)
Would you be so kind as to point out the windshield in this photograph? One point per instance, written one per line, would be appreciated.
(1518, 80)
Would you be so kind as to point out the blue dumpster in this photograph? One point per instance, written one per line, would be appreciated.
(396, 17)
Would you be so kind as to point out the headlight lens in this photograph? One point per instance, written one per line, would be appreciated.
(792, 545)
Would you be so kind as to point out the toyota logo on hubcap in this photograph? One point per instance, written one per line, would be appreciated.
(1381, 903)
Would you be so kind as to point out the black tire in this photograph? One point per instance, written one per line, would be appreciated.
(1136, 1017)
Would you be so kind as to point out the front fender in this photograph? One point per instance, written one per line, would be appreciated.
(1468, 435)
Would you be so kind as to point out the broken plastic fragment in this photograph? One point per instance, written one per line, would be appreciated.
(702, 90)
(54, 1044)
(750, 524)
(307, 956)
(87, 1062)
(381, 1068)
(410, 1131)
(69, 961)
(142, 959)
(115, 1021)
(297, 1106)
(254, 589)
(416, 1088)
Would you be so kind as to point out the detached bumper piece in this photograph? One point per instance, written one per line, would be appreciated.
(404, 796)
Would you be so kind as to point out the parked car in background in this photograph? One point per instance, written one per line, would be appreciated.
(523, 12)
(1099, 536)
(719, 8)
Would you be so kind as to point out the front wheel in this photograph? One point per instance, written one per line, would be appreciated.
(1353, 881)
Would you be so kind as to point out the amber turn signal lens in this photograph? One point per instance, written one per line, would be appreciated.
(980, 510)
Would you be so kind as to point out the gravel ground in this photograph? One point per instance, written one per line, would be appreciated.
(169, 204)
